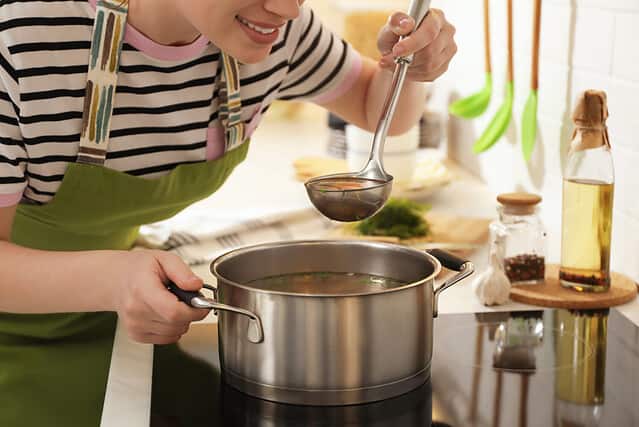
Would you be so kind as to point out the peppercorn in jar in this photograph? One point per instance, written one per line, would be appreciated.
(521, 237)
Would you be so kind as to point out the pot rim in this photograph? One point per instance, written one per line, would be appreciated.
(239, 251)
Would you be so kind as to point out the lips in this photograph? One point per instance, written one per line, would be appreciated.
(260, 33)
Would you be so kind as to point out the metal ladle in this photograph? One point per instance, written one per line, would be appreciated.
(355, 196)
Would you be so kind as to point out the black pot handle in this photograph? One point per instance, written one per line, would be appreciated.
(448, 260)
(186, 297)
(451, 262)
(196, 299)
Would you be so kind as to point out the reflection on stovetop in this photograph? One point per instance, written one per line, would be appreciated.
(539, 368)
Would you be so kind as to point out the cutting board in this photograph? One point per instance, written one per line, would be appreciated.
(552, 294)
(444, 229)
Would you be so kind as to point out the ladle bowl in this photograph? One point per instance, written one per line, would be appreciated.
(348, 196)
(358, 195)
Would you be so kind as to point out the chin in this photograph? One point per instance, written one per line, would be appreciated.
(251, 56)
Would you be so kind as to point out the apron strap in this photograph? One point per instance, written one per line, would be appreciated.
(102, 77)
(230, 103)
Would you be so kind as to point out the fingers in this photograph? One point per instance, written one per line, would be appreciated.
(167, 308)
(432, 44)
(178, 272)
(166, 305)
(419, 75)
(425, 34)
(147, 309)
(427, 65)
(144, 324)
(398, 24)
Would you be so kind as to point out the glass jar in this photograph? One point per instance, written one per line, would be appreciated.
(520, 237)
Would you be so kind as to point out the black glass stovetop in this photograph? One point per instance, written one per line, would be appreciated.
(521, 369)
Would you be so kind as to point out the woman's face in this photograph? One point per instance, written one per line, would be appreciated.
(245, 29)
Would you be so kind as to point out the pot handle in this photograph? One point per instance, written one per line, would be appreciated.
(463, 267)
(198, 300)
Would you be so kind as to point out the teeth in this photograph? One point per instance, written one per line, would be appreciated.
(255, 27)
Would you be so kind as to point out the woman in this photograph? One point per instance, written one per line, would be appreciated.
(115, 114)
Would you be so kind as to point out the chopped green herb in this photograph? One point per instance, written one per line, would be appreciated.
(400, 218)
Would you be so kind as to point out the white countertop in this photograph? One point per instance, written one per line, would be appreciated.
(265, 184)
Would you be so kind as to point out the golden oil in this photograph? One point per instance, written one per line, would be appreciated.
(581, 356)
(586, 235)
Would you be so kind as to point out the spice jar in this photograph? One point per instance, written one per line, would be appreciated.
(522, 237)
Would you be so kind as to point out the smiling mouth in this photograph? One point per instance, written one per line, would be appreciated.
(257, 28)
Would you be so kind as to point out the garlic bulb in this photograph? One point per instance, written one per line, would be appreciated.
(492, 287)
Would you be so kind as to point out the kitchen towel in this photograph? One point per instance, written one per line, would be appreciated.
(198, 238)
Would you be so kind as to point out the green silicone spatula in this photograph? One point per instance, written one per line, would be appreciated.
(529, 117)
(500, 121)
(475, 104)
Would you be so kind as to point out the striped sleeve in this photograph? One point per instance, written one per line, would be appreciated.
(13, 155)
(322, 66)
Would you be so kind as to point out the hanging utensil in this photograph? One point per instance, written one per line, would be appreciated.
(475, 105)
(529, 117)
(358, 195)
(501, 120)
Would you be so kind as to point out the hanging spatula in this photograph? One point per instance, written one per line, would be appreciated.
(475, 105)
(501, 120)
(529, 117)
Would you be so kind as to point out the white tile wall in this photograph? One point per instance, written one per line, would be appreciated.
(584, 44)
(594, 33)
(626, 52)
(623, 125)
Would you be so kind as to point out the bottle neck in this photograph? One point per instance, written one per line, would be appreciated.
(594, 164)
(586, 138)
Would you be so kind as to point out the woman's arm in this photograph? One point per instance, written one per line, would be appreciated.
(433, 46)
(128, 282)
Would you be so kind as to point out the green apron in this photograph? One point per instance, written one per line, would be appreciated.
(54, 367)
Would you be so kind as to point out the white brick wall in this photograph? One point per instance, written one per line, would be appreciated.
(584, 44)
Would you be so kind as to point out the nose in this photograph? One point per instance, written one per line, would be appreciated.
(287, 9)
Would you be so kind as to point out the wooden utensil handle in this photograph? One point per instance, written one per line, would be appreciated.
(487, 35)
(510, 41)
(534, 82)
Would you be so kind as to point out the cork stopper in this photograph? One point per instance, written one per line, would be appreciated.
(519, 203)
(589, 116)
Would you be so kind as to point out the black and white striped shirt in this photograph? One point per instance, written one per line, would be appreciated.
(165, 110)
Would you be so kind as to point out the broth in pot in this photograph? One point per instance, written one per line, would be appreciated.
(312, 283)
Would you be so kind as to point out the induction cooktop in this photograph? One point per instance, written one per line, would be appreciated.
(510, 369)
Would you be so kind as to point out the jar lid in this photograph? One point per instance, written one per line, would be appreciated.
(519, 203)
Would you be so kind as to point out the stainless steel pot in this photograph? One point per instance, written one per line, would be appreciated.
(327, 349)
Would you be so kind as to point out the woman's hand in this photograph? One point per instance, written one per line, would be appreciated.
(149, 312)
(432, 43)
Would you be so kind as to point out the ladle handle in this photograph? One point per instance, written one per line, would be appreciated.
(417, 10)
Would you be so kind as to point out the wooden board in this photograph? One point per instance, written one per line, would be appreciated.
(552, 294)
(444, 229)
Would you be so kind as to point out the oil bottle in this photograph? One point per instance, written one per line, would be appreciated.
(588, 187)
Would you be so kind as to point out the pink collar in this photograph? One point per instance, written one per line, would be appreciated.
(160, 51)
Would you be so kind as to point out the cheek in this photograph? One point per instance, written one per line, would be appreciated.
(207, 16)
